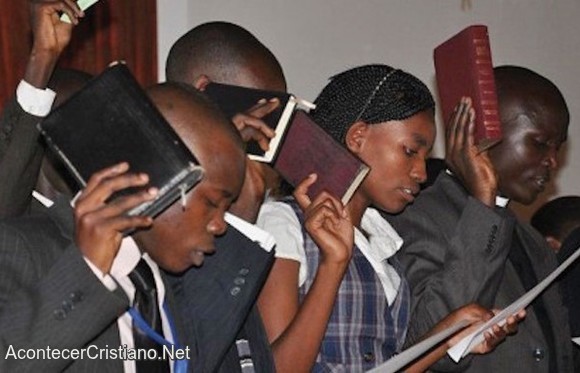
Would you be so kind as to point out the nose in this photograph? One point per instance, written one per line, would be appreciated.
(551, 159)
(217, 226)
(419, 171)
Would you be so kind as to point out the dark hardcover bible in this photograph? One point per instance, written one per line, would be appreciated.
(235, 99)
(307, 149)
(463, 67)
(112, 120)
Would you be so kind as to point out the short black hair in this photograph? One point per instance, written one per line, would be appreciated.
(528, 87)
(216, 49)
(558, 217)
(371, 93)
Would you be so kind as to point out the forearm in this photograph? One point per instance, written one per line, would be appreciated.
(40, 66)
(296, 349)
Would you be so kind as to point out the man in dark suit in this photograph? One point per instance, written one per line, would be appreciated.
(559, 222)
(254, 66)
(463, 245)
(59, 287)
(21, 154)
(231, 335)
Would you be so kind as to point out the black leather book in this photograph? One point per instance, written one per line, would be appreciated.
(113, 120)
(233, 99)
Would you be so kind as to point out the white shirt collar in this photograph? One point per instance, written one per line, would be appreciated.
(382, 243)
(383, 238)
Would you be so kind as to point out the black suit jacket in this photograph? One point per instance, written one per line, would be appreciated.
(50, 297)
(217, 303)
(20, 159)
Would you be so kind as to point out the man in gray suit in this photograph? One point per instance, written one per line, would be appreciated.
(58, 288)
(463, 245)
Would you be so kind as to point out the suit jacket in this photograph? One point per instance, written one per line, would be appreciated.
(570, 285)
(456, 252)
(50, 297)
(217, 301)
(20, 159)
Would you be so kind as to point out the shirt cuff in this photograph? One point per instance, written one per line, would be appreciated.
(106, 279)
(34, 101)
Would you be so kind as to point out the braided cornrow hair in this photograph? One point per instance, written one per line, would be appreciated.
(371, 93)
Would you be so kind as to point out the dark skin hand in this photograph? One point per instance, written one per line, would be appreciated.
(99, 225)
(252, 127)
(51, 36)
(475, 315)
(296, 329)
(472, 167)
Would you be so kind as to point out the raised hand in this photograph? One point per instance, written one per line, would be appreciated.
(51, 36)
(99, 223)
(327, 222)
(472, 167)
(252, 127)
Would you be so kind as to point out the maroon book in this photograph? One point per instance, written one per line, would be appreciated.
(307, 149)
(463, 67)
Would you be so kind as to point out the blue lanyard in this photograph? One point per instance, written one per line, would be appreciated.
(179, 366)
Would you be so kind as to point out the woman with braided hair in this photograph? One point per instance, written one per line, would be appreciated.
(336, 299)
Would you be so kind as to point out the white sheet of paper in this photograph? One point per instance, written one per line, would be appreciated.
(398, 361)
(576, 340)
(461, 349)
(83, 4)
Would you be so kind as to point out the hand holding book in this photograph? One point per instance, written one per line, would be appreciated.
(252, 127)
(470, 165)
(99, 224)
(328, 223)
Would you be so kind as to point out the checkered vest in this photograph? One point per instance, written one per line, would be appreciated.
(363, 331)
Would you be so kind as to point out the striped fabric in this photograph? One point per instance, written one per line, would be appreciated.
(363, 331)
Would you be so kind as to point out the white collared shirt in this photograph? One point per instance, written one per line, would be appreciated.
(279, 219)
(125, 261)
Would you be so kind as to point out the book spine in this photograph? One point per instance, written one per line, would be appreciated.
(62, 156)
(491, 126)
(175, 188)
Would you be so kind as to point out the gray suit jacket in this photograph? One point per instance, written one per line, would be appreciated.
(456, 252)
(20, 159)
(50, 297)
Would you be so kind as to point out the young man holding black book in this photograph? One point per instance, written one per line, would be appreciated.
(65, 288)
(463, 245)
(226, 53)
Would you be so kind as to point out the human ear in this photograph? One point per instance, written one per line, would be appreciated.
(201, 82)
(554, 243)
(356, 136)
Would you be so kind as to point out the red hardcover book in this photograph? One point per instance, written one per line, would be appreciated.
(307, 149)
(463, 67)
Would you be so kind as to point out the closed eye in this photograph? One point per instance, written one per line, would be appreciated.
(409, 152)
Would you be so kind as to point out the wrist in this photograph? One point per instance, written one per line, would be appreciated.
(40, 67)
(334, 264)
